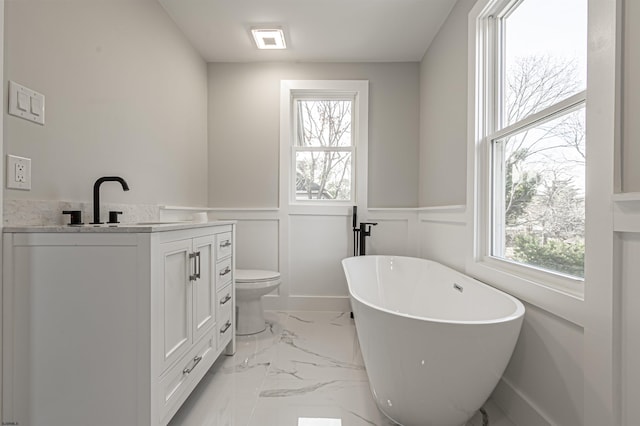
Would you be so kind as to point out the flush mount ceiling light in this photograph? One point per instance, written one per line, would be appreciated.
(272, 38)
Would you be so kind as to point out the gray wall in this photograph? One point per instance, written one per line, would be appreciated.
(443, 113)
(244, 131)
(125, 95)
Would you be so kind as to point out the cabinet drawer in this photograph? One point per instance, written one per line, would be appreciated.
(224, 273)
(225, 331)
(224, 245)
(225, 322)
(224, 304)
(177, 383)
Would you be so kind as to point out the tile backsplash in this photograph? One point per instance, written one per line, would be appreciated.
(49, 212)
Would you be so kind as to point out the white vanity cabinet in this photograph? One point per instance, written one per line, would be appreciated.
(225, 292)
(187, 300)
(112, 326)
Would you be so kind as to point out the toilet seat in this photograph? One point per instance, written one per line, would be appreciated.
(255, 275)
(255, 279)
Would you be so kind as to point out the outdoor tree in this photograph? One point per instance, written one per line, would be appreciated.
(323, 171)
(534, 83)
(518, 193)
(544, 204)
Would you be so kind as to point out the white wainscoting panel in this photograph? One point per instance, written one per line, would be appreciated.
(443, 236)
(317, 245)
(630, 328)
(546, 370)
(389, 237)
(307, 248)
(257, 244)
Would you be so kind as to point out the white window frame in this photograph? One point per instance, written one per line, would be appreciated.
(358, 92)
(314, 96)
(556, 292)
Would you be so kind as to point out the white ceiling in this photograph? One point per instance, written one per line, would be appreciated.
(316, 30)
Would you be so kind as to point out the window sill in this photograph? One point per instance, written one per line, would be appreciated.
(312, 209)
(536, 292)
(626, 212)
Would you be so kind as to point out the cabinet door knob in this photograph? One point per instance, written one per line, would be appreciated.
(225, 244)
(225, 271)
(226, 299)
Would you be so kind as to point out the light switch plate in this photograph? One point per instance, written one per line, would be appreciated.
(18, 172)
(26, 103)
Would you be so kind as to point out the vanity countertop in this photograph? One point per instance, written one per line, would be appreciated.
(141, 227)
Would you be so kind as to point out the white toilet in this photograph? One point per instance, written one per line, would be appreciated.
(251, 285)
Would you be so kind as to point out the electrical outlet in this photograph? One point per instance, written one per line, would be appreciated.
(18, 172)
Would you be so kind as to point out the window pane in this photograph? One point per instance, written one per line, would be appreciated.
(545, 55)
(539, 191)
(323, 175)
(324, 123)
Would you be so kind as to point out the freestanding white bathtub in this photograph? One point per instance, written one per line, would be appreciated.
(435, 342)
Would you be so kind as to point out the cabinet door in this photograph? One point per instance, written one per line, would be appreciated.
(176, 300)
(204, 295)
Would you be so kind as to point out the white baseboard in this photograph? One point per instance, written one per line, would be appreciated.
(517, 407)
(307, 303)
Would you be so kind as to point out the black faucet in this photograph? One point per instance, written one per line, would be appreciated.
(365, 231)
(360, 235)
(96, 195)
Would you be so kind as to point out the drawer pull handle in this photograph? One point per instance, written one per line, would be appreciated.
(199, 264)
(225, 244)
(196, 360)
(225, 271)
(226, 327)
(194, 276)
(226, 299)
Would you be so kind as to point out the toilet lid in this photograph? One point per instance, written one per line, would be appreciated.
(255, 275)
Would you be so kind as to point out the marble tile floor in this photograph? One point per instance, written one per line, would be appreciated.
(305, 369)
